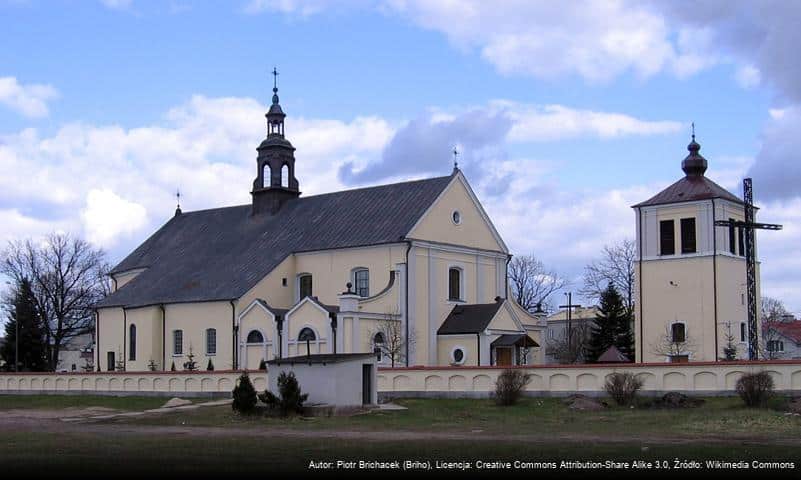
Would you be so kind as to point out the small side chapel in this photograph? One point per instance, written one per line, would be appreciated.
(290, 275)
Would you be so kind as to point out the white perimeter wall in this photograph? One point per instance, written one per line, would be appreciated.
(134, 383)
(702, 378)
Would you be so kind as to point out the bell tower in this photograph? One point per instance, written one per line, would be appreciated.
(275, 181)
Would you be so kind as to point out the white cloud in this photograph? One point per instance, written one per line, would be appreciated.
(747, 76)
(28, 100)
(556, 122)
(206, 147)
(595, 40)
(117, 4)
(108, 216)
(302, 8)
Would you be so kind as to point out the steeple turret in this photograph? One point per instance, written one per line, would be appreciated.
(275, 181)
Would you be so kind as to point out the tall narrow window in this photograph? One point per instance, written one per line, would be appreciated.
(285, 176)
(266, 175)
(678, 333)
(688, 235)
(361, 280)
(454, 284)
(667, 238)
(211, 341)
(305, 286)
(742, 332)
(132, 342)
(741, 241)
(732, 236)
(178, 342)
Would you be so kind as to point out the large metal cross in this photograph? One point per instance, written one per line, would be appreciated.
(749, 227)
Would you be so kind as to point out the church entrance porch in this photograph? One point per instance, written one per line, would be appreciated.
(509, 350)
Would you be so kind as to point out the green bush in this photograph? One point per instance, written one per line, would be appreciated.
(509, 386)
(263, 364)
(210, 366)
(755, 388)
(623, 387)
(244, 395)
(290, 399)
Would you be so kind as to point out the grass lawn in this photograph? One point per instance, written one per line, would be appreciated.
(214, 439)
(719, 416)
(53, 402)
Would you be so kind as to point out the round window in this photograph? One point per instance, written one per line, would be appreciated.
(457, 217)
(458, 355)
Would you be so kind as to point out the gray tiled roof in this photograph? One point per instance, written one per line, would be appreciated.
(220, 254)
(321, 358)
(690, 188)
(471, 318)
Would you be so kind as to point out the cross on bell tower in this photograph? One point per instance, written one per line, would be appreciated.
(749, 228)
(275, 116)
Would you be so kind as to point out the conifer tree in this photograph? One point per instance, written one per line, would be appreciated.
(24, 319)
(612, 326)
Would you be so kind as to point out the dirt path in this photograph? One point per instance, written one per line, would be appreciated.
(47, 422)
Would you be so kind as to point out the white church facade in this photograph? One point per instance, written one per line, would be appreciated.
(289, 275)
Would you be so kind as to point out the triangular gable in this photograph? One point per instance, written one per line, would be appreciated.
(505, 320)
(475, 228)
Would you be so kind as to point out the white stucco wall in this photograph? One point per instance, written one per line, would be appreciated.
(338, 384)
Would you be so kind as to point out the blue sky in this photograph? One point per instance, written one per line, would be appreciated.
(565, 116)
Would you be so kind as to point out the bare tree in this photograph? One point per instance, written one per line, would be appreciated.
(68, 277)
(772, 314)
(388, 338)
(772, 310)
(670, 346)
(574, 350)
(770, 338)
(532, 283)
(616, 266)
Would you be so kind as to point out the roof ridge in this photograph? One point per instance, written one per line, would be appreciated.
(317, 195)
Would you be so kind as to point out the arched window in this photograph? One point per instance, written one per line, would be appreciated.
(678, 333)
(132, 342)
(307, 335)
(211, 341)
(266, 175)
(378, 339)
(285, 175)
(304, 286)
(178, 342)
(255, 336)
(454, 283)
(361, 282)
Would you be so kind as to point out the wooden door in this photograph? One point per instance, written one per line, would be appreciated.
(503, 357)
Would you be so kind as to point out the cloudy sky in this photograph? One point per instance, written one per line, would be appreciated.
(566, 113)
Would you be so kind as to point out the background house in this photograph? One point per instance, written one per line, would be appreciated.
(782, 339)
(582, 319)
(76, 353)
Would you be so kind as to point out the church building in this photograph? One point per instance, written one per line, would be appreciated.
(290, 275)
(691, 299)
